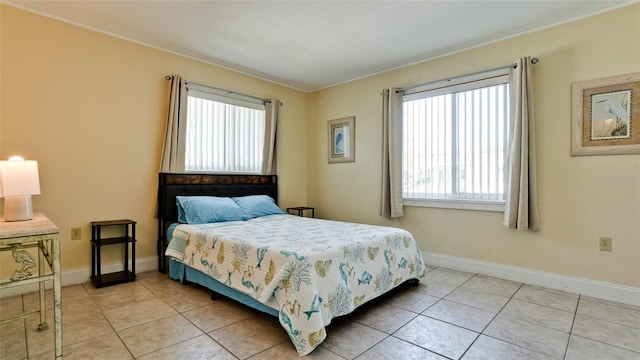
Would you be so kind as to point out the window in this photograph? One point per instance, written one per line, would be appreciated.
(224, 133)
(455, 143)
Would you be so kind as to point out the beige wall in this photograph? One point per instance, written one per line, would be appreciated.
(91, 109)
(581, 198)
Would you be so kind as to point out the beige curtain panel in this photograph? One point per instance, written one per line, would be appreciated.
(391, 204)
(269, 162)
(172, 160)
(521, 203)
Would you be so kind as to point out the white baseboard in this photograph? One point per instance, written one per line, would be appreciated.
(79, 276)
(598, 289)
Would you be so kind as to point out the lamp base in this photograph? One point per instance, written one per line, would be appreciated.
(18, 208)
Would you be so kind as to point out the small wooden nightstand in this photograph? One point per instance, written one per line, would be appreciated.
(128, 238)
(301, 209)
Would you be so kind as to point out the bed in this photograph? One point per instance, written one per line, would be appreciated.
(303, 271)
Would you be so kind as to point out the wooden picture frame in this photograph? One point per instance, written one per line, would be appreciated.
(606, 116)
(342, 140)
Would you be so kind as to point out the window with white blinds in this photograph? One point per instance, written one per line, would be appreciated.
(223, 134)
(455, 143)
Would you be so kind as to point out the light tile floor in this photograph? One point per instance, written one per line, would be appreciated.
(448, 315)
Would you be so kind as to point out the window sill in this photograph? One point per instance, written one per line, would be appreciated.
(496, 206)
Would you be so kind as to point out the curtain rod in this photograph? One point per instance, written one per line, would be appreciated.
(169, 77)
(514, 65)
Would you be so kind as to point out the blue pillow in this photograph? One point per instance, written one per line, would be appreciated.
(258, 205)
(208, 209)
(182, 218)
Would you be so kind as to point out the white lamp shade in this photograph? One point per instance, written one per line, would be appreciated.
(19, 177)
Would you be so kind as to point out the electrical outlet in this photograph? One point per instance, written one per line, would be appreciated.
(76, 233)
(606, 243)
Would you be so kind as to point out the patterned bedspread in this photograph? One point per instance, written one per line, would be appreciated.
(316, 269)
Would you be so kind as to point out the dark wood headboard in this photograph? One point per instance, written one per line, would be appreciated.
(172, 185)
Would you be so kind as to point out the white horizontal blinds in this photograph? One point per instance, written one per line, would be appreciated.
(454, 140)
(223, 134)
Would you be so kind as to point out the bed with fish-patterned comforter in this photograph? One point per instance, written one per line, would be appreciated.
(315, 269)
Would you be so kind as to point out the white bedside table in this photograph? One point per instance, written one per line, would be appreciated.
(42, 234)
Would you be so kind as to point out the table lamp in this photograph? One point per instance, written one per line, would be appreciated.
(18, 181)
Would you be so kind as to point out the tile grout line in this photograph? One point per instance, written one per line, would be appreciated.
(598, 319)
(481, 332)
(528, 302)
(177, 313)
(573, 322)
(607, 344)
(350, 317)
(446, 322)
(496, 315)
(108, 322)
(443, 298)
(217, 342)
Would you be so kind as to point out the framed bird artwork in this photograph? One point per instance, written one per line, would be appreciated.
(606, 116)
(341, 135)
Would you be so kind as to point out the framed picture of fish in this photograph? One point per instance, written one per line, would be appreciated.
(606, 116)
(342, 135)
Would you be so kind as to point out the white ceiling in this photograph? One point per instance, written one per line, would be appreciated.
(308, 45)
